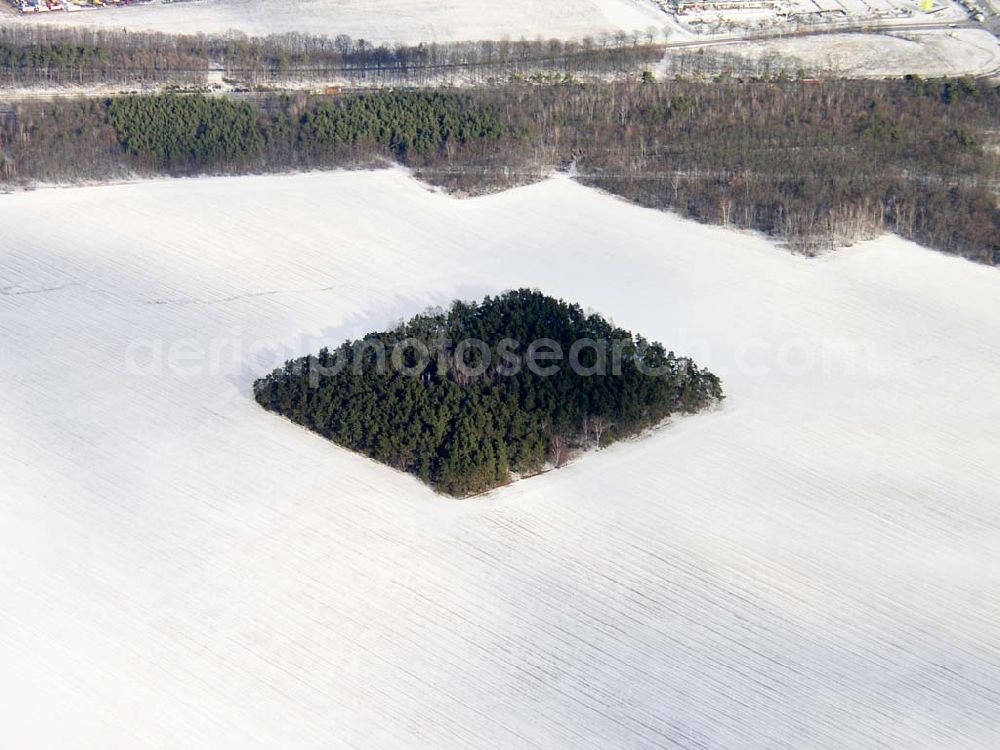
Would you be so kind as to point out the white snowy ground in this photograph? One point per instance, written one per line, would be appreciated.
(926, 53)
(814, 567)
(378, 20)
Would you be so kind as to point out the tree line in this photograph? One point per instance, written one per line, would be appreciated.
(818, 165)
(48, 55)
(37, 54)
(463, 418)
(814, 164)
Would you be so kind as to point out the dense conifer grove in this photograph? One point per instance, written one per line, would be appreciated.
(178, 132)
(187, 133)
(463, 417)
(818, 164)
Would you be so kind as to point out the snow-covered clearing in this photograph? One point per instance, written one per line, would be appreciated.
(926, 53)
(377, 20)
(813, 567)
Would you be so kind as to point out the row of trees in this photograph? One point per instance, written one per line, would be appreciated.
(461, 417)
(37, 54)
(31, 55)
(817, 164)
(41, 54)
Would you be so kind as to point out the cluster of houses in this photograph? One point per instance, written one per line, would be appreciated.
(45, 6)
(974, 10)
(694, 6)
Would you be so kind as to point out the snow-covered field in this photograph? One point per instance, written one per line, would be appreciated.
(813, 567)
(926, 53)
(378, 20)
